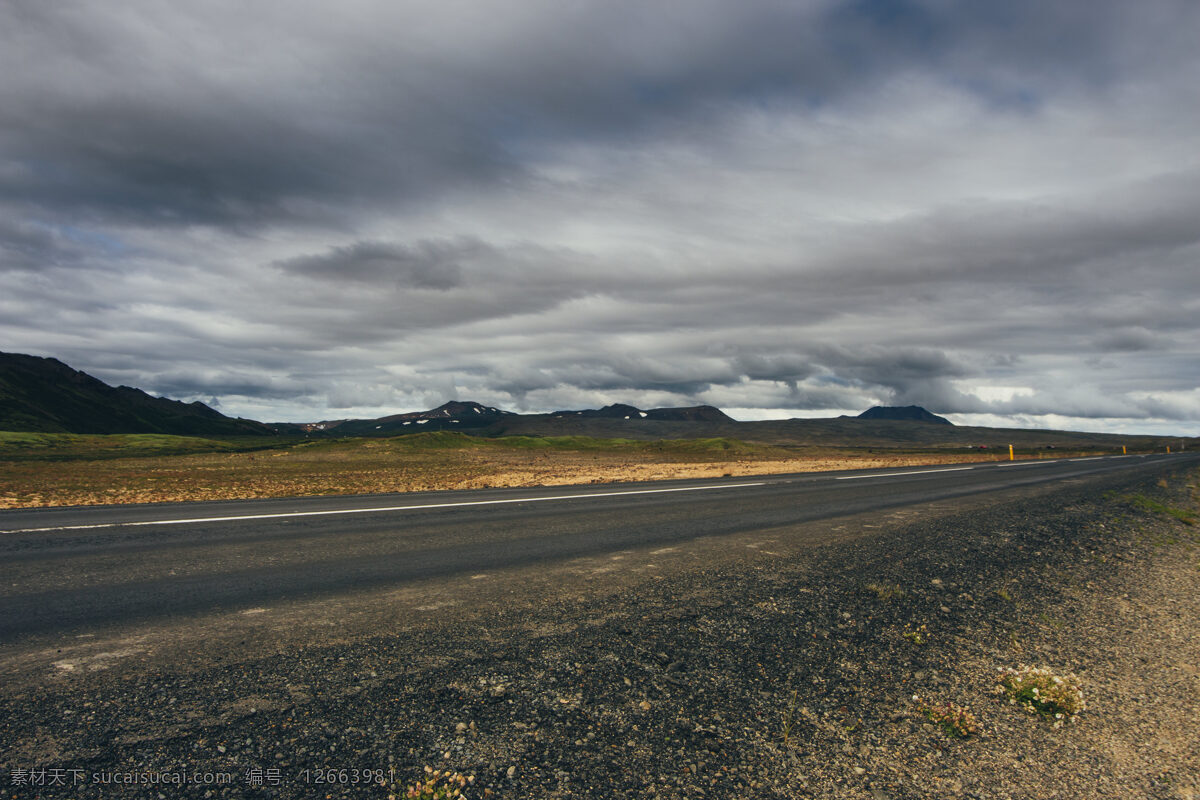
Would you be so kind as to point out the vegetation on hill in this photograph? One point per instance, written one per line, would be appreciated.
(38, 446)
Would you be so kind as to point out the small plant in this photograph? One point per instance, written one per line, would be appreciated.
(789, 719)
(1003, 594)
(918, 635)
(886, 591)
(955, 721)
(1151, 506)
(437, 785)
(1040, 691)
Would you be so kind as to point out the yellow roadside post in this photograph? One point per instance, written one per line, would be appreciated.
(1168, 448)
(1123, 451)
(1010, 453)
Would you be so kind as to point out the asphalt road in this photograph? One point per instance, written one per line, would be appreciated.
(73, 570)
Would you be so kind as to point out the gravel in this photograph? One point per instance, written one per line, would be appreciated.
(788, 677)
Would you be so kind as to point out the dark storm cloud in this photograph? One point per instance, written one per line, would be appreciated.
(1130, 340)
(427, 265)
(1045, 240)
(207, 114)
(28, 247)
(784, 368)
(981, 208)
(180, 115)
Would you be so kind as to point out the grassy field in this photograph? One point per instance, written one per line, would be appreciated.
(76, 446)
(67, 469)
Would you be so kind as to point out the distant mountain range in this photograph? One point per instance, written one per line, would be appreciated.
(622, 411)
(453, 415)
(43, 394)
(46, 395)
(903, 413)
(457, 415)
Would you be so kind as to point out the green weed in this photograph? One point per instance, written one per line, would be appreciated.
(19, 446)
(886, 591)
(436, 785)
(1151, 506)
(1040, 691)
(789, 719)
(955, 721)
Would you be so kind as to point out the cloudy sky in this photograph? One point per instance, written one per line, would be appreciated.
(303, 211)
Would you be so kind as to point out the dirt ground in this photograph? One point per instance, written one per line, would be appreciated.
(380, 467)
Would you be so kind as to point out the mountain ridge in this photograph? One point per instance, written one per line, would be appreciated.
(44, 395)
(903, 414)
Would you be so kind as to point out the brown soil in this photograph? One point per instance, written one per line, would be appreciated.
(374, 467)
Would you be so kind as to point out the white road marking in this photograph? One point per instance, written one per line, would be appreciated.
(895, 474)
(384, 509)
(1092, 458)
(1028, 463)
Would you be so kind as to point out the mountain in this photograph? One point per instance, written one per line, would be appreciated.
(614, 411)
(454, 415)
(47, 396)
(490, 421)
(903, 414)
(689, 414)
(622, 411)
(612, 420)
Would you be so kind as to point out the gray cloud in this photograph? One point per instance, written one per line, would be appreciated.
(30, 247)
(985, 209)
(239, 117)
(428, 265)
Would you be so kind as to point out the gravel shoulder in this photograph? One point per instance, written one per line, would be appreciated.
(753, 666)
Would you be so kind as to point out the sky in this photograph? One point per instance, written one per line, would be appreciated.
(294, 211)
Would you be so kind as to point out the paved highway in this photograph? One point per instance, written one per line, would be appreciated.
(71, 570)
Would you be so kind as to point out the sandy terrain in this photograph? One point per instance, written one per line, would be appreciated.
(381, 467)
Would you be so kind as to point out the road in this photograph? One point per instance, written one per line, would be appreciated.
(67, 571)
